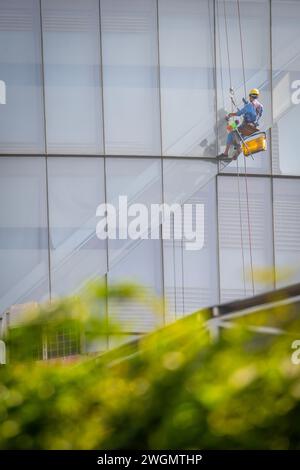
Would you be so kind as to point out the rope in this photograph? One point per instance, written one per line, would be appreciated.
(227, 45)
(249, 226)
(242, 139)
(245, 162)
(232, 105)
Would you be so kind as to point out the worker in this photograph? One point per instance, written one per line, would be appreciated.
(251, 112)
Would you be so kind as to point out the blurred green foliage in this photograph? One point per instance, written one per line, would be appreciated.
(172, 389)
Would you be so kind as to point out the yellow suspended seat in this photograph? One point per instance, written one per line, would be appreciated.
(254, 143)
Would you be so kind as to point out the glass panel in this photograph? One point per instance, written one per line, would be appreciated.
(71, 44)
(135, 260)
(23, 231)
(234, 236)
(130, 77)
(76, 188)
(286, 230)
(187, 84)
(200, 267)
(255, 27)
(140, 181)
(190, 277)
(21, 118)
(286, 86)
(143, 265)
(183, 178)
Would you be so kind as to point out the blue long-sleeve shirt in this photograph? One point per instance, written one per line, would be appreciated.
(252, 112)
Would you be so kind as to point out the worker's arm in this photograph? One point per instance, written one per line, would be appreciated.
(240, 112)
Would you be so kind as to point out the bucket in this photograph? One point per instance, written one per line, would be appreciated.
(255, 145)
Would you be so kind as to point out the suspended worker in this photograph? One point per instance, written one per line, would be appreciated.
(251, 112)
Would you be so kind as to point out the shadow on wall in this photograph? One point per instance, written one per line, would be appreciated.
(209, 149)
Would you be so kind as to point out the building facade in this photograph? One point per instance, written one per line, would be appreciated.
(102, 98)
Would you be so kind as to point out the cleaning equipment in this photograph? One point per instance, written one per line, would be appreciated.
(254, 143)
(232, 126)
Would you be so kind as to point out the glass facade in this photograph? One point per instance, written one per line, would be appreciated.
(72, 76)
(21, 119)
(286, 230)
(245, 235)
(190, 277)
(130, 77)
(24, 273)
(286, 86)
(107, 98)
(75, 189)
(249, 45)
(186, 48)
(135, 260)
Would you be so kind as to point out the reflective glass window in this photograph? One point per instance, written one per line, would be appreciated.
(191, 276)
(23, 231)
(71, 45)
(187, 79)
(286, 86)
(236, 234)
(254, 48)
(137, 260)
(21, 111)
(286, 230)
(130, 77)
(76, 188)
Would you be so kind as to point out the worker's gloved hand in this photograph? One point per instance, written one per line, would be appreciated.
(227, 117)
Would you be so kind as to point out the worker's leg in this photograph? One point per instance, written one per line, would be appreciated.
(237, 145)
(229, 142)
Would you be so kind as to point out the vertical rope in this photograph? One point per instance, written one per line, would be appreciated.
(218, 47)
(245, 162)
(237, 165)
(249, 226)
